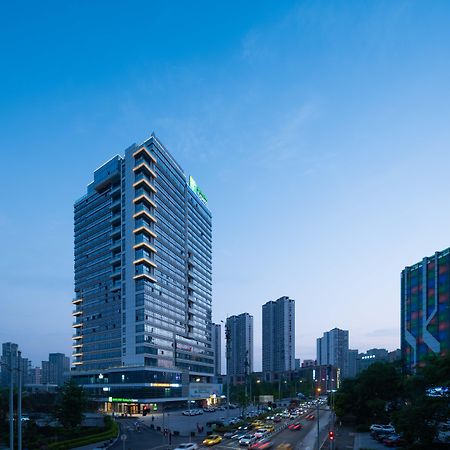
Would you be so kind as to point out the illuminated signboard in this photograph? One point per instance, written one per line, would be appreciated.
(165, 385)
(122, 400)
(197, 190)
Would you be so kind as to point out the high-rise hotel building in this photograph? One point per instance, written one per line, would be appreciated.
(143, 289)
(425, 309)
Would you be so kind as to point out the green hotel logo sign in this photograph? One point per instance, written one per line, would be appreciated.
(197, 190)
(122, 400)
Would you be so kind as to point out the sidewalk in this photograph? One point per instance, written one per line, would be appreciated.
(309, 442)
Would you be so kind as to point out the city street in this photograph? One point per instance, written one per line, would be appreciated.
(144, 437)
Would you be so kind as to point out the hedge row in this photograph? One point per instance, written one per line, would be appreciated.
(79, 442)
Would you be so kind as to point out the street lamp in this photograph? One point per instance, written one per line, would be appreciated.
(228, 351)
(258, 381)
(318, 390)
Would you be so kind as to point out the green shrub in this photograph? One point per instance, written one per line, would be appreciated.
(86, 440)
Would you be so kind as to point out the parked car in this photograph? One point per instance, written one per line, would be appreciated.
(382, 428)
(394, 440)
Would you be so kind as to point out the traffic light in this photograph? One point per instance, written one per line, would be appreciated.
(331, 435)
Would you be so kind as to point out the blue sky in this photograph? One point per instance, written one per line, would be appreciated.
(318, 130)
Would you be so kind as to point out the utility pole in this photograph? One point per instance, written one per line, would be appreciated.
(228, 349)
(11, 402)
(245, 382)
(318, 412)
(19, 401)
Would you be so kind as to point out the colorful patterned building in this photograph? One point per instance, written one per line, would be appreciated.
(425, 309)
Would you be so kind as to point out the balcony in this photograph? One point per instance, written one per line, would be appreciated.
(78, 345)
(146, 246)
(115, 205)
(144, 212)
(116, 245)
(116, 218)
(142, 197)
(117, 273)
(77, 354)
(145, 261)
(77, 363)
(77, 313)
(143, 151)
(77, 301)
(115, 232)
(116, 259)
(143, 166)
(144, 229)
(145, 276)
(143, 271)
(142, 180)
(116, 191)
(116, 286)
(77, 325)
(76, 337)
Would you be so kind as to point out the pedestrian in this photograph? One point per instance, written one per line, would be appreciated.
(153, 418)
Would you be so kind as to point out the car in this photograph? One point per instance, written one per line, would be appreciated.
(376, 428)
(186, 413)
(257, 424)
(295, 426)
(263, 444)
(213, 439)
(247, 440)
(394, 440)
(229, 434)
(187, 446)
(381, 436)
(238, 434)
(277, 419)
(260, 432)
(269, 428)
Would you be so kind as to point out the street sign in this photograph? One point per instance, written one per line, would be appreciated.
(123, 437)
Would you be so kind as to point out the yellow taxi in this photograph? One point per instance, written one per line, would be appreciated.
(285, 446)
(257, 424)
(212, 440)
(270, 428)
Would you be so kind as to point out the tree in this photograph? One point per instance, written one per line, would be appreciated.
(367, 397)
(421, 413)
(71, 404)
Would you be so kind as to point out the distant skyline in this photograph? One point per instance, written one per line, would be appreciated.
(318, 131)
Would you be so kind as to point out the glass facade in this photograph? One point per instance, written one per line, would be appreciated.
(143, 263)
(425, 309)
